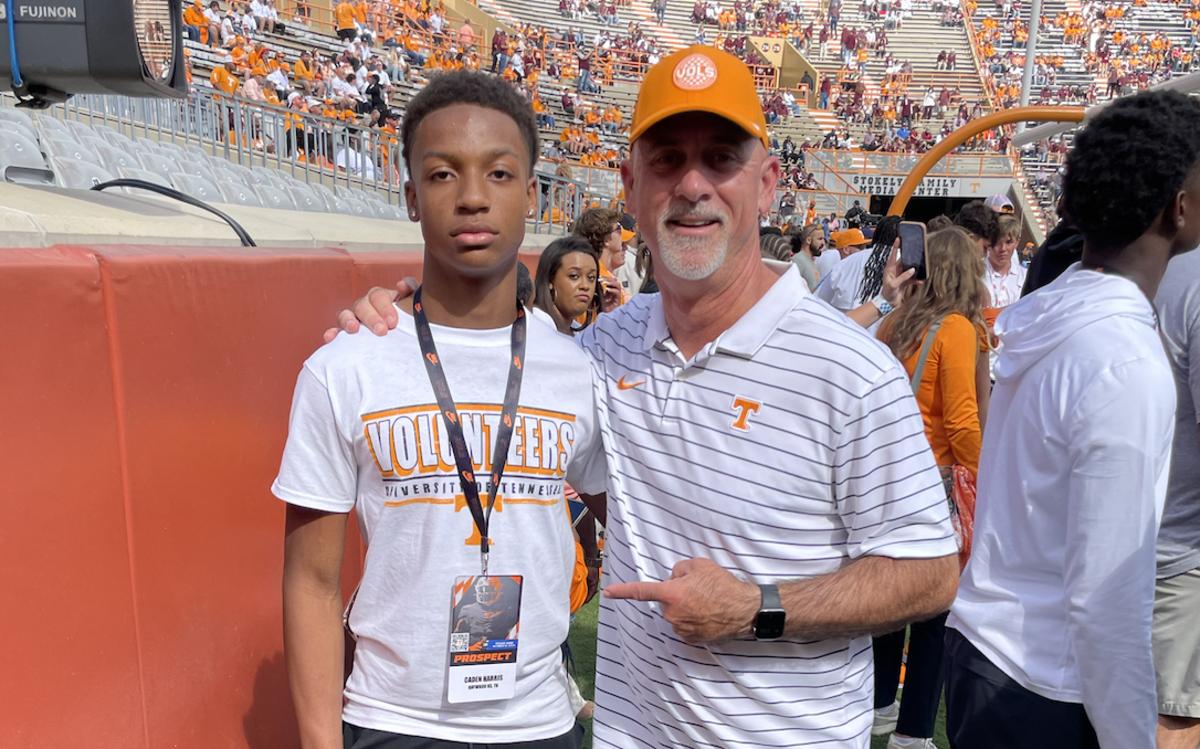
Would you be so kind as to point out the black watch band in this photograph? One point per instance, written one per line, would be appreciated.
(771, 618)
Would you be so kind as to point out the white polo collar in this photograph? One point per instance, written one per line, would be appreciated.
(746, 336)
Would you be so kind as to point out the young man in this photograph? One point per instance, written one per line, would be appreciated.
(1053, 617)
(1002, 273)
(601, 227)
(741, 585)
(412, 430)
(1177, 593)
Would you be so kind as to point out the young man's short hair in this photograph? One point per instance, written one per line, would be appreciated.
(469, 87)
(1009, 227)
(937, 223)
(1128, 163)
(595, 225)
(980, 220)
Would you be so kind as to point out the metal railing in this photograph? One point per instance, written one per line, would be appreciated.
(984, 164)
(313, 149)
(310, 148)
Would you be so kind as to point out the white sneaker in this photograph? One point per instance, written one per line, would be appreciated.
(885, 719)
(895, 742)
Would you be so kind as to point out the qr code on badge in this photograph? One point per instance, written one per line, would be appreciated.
(460, 642)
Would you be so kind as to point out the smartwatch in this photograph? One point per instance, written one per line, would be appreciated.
(770, 619)
(884, 306)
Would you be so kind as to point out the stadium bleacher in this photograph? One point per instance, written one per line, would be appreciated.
(861, 113)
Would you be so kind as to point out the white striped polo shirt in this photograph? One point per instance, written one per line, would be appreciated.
(783, 450)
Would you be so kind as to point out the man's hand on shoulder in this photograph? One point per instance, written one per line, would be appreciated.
(375, 310)
(702, 601)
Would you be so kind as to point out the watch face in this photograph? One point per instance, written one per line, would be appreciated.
(768, 625)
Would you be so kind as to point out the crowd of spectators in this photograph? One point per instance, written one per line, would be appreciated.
(1115, 58)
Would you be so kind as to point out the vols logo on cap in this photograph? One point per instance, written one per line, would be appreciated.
(695, 72)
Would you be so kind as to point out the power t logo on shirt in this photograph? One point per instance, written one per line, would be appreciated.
(410, 450)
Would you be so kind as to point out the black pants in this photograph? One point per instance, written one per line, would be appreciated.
(986, 709)
(922, 677)
(354, 737)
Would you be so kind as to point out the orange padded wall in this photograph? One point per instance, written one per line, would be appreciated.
(144, 395)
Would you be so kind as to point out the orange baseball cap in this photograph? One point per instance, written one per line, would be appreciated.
(699, 79)
(848, 237)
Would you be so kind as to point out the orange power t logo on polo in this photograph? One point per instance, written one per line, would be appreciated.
(744, 407)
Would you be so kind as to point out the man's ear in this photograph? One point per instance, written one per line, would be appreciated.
(410, 200)
(531, 196)
(768, 182)
(628, 184)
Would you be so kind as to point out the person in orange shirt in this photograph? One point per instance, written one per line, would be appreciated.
(304, 67)
(238, 54)
(194, 24)
(938, 334)
(344, 16)
(222, 79)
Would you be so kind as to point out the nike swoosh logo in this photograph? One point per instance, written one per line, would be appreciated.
(628, 385)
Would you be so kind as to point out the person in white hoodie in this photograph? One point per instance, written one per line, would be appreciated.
(1049, 639)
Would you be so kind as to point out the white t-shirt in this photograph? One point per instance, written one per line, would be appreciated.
(827, 261)
(784, 450)
(840, 285)
(366, 434)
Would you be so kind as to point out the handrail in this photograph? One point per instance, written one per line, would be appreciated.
(989, 84)
(819, 155)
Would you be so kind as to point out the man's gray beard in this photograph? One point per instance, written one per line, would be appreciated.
(679, 255)
(692, 259)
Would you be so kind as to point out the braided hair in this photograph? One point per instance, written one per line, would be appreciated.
(881, 248)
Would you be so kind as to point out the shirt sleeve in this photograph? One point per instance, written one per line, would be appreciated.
(825, 290)
(888, 491)
(1117, 481)
(587, 472)
(1193, 360)
(318, 469)
(958, 347)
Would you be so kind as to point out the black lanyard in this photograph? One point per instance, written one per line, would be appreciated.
(450, 419)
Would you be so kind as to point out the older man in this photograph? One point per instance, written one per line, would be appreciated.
(772, 497)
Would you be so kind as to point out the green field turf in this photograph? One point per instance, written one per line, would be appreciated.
(583, 646)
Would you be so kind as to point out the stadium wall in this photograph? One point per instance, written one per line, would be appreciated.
(144, 397)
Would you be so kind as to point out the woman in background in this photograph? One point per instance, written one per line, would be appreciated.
(937, 332)
(566, 285)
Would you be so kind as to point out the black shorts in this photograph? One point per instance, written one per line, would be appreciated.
(354, 737)
(347, 35)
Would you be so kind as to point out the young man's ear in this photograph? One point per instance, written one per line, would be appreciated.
(1186, 206)
(410, 200)
(531, 196)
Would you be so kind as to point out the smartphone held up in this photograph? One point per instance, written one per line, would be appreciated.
(912, 248)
